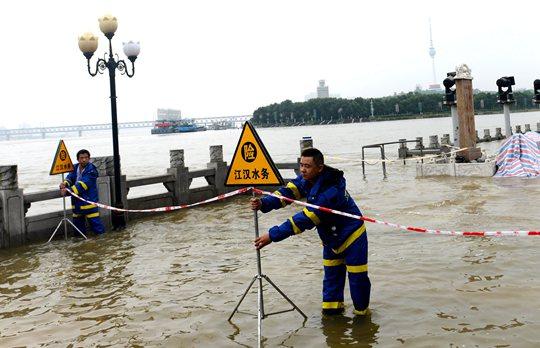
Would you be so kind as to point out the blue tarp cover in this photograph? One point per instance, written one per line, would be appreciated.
(519, 156)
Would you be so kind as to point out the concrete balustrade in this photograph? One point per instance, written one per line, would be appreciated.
(17, 228)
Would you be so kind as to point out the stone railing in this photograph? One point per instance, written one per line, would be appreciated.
(17, 228)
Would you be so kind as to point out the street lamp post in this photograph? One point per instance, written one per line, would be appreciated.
(88, 44)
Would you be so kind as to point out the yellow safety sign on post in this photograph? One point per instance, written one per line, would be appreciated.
(251, 163)
(62, 162)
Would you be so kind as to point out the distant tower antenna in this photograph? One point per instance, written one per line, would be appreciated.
(432, 53)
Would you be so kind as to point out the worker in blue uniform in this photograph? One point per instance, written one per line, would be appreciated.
(83, 182)
(345, 245)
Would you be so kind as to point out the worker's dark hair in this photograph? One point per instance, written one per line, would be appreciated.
(83, 152)
(317, 155)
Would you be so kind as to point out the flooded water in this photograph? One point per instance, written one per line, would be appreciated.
(174, 279)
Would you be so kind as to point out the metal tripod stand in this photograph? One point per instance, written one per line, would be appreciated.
(65, 220)
(260, 301)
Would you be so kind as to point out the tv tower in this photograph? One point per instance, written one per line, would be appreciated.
(434, 85)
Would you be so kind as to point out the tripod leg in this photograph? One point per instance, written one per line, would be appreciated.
(56, 229)
(284, 296)
(260, 314)
(75, 227)
(243, 296)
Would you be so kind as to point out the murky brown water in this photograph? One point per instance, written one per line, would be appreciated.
(173, 280)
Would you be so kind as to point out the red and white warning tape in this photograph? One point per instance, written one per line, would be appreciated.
(170, 208)
(402, 227)
(323, 209)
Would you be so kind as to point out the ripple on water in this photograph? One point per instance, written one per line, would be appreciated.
(174, 279)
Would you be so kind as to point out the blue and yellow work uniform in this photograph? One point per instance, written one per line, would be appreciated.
(84, 184)
(345, 245)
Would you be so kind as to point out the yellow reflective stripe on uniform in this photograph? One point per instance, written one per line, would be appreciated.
(89, 216)
(331, 263)
(76, 215)
(351, 239)
(294, 189)
(283, 203)
(312, 216)
(357, 269)
(74, 189)
(72, 207)
(88, 206)
(67, 183)
(364, 312)
(294, 227)
(330, 305)
(83, 185)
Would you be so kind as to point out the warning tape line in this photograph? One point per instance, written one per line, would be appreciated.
(402, 227)
(163, 209)
(323, 209)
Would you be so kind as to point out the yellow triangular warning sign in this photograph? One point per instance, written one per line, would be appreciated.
(251, 163)
(62, 162)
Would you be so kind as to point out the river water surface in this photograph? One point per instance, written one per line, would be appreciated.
(173, 280)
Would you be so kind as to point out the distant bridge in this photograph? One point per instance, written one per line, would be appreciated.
(8, 134)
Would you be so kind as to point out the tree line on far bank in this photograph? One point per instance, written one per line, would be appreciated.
(406, 105)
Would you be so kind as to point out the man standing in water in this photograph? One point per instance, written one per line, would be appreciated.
(344, 239)
(83, 182)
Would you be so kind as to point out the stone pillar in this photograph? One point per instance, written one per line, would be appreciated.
(487, 136)
(216, 162)
(402, 150)
(518, 129)
(419, 143)
(498, 133)
(527, 127)
(434, 142)
(106, 164)
(305, 143)
(181, 175)
(445, 140)
(12, 224)
(104, 183)
(465, 109)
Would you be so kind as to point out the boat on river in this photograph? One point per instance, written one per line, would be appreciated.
(173, 126)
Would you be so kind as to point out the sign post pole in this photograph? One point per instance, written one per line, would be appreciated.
(260, 312)
(252, 165)
(65, 215)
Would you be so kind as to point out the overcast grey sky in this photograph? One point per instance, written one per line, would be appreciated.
(216, 58)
